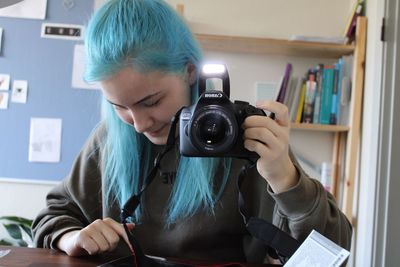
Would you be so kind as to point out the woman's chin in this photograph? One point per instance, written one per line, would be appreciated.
(157, 140)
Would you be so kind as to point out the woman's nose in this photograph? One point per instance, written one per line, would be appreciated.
(141, 121)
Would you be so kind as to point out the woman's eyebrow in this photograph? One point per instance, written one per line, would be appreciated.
(138, 102)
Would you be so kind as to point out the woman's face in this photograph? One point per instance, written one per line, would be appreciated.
(148, 101)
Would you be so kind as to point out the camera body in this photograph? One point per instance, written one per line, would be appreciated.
(212, 126)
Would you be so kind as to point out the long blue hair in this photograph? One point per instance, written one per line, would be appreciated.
(146, 35)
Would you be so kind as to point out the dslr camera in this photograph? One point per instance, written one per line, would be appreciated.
(212, 126)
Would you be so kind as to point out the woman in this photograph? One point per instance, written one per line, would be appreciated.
(147, 62)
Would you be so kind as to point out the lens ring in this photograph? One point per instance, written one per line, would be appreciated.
(213, 129)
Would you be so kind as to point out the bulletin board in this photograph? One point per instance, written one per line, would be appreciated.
(47, 65)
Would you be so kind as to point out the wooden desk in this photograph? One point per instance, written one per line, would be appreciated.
(37, 257)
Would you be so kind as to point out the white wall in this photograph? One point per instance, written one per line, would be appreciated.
(267, 18)
(22, 197)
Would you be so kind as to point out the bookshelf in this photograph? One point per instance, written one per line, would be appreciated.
(319, 127)
(346, 138)
(273, 46)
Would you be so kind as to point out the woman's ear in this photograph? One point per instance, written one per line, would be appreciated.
(191, 71)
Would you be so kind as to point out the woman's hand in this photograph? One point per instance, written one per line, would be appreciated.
(98, 237)
(269, 138)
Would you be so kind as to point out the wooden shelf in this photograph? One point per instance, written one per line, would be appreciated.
(319, 127)
(272, 46)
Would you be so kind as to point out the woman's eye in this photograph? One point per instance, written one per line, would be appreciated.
(152, 103)
(119, 107)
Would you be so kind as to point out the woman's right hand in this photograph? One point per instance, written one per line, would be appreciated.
(98, 237)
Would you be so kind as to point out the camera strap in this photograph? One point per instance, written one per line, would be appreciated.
(140, 259)
(282, 244)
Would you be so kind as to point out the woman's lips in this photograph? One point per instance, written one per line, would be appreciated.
(157, 132)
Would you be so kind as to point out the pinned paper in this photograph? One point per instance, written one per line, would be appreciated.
(3, 100)
(27, 9)
(1, 37)
(19, 91)
(4, 81)
(78, 70)
(45, 140)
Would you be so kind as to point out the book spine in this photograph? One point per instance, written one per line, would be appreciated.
(291, 93)
(317, 102)
(333, 116)
(286, 77)
(301, 103)
(296, 99)
(309, 98)
(339, 91)
(352, 29)
(326, 97)
(345, 96)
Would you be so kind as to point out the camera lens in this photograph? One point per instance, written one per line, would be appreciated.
(213, 130)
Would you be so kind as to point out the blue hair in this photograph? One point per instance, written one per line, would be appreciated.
(146, 35)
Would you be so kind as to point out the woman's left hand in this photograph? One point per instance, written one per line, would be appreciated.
(269, 138)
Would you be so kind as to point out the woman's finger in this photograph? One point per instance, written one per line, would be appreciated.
(280, 110)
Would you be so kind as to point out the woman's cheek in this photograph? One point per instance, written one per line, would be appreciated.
(125, 116)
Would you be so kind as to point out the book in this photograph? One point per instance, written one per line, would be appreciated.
(317, 102)
(317, 250)
(339, 90)
(309, 99)
(326, 94)
(296, 99)
(286, 77)
(352, 22)
(301, 103)
(333, 115)
(346, 88)
(291, 93)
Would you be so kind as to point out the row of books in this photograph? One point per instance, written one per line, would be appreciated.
(321, 96)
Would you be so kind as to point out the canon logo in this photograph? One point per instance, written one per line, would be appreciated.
(213, 95)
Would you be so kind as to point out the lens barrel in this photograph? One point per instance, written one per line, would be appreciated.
(213, 129)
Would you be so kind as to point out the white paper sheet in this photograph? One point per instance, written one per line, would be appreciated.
(78, 70)
(1, 37)
(3, 100)
(4, 252)
(318, 251)
(19, 91)
(45, 140)
(27, 9)
(4, 81)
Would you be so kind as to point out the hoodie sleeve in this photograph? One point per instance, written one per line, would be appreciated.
(75, 202)
(308, 206)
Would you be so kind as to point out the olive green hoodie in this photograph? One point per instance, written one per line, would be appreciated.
(216, 236)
